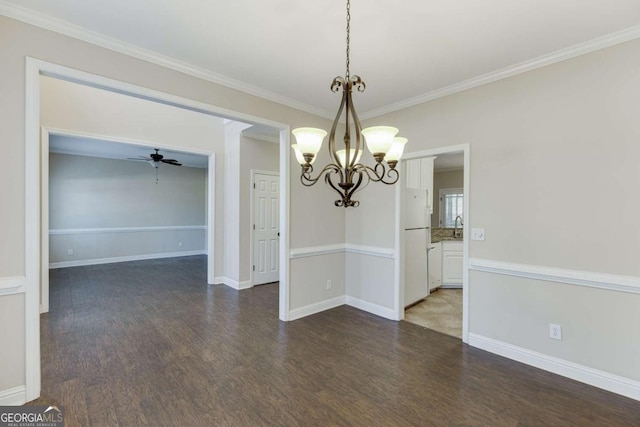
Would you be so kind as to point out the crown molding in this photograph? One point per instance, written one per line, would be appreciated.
(66, 28)
(603, 42)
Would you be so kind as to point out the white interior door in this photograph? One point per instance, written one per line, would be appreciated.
(266, 232)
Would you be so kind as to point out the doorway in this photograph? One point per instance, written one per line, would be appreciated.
(33, 203)
(77, 144)
(442, 303)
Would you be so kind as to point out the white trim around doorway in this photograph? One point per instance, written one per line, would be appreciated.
(34, 68)
(398, 279)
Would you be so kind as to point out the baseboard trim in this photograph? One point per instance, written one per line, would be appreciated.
(604, 380)
(223, 280)
(12, 285)
(450, 286)
(317, 307)
(612, 282)
(16, 396)
(97, 261)
(369, 307)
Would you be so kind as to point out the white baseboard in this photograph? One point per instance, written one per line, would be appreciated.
(16, 396)
(317, 307)
(378, 310)
(604, 380)
(97, 261)
(223, 280)
(450, 286)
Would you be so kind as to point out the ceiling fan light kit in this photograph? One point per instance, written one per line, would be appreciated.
(155, 159)
(345, 167)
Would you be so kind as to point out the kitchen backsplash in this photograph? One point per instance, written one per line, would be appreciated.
(439, 234)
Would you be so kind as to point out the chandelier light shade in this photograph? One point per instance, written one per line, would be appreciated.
(379, 139)
(397, 148)
(345, 174)
(300, 156)
(342, 156)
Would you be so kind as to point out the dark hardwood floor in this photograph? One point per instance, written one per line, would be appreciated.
(149, 343)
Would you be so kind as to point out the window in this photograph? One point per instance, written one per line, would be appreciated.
(451, 206)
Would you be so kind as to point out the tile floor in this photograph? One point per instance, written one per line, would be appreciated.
(441, 311)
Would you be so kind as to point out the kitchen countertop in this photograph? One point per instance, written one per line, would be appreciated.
(446, 239)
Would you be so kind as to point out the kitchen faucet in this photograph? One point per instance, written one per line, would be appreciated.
(455, 226)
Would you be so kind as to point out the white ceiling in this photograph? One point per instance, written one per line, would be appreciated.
(290, 50)
(116, 150)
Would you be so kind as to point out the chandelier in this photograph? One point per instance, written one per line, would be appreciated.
(345, 174)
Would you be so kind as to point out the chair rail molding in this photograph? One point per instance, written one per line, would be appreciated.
(63, 231)
(342, 248)
(589, 279)
(12, 285)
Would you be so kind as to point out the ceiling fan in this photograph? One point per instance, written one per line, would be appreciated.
(155, 159)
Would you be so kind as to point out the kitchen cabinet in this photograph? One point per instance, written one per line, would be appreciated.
(452, 263)
(419, 173)
(435, 266)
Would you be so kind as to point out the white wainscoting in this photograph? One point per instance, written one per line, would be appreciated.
(611, 282)
(12, 285)
(594, 377)
(16, 396)
(119, 244)
(343, 299)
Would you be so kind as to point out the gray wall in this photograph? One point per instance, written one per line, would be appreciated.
(551, 150)
(102, 194)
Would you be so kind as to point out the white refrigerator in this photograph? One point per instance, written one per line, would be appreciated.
(417, 239)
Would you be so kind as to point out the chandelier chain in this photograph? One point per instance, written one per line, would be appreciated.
(348, 35)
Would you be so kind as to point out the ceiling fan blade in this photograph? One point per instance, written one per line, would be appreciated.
(139, 160)
(174, 163)
(169, 160)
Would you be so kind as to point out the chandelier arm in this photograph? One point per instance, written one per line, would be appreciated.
(357, 184)
(337, 82)
(307, 180)
(329, 182)
(356, 125)
(378, 173)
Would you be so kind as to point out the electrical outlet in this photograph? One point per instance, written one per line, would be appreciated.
(179, 244)
(328, 284)
(555, 331)
(70, 252)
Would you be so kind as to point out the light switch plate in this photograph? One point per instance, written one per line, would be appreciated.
(477, 234)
